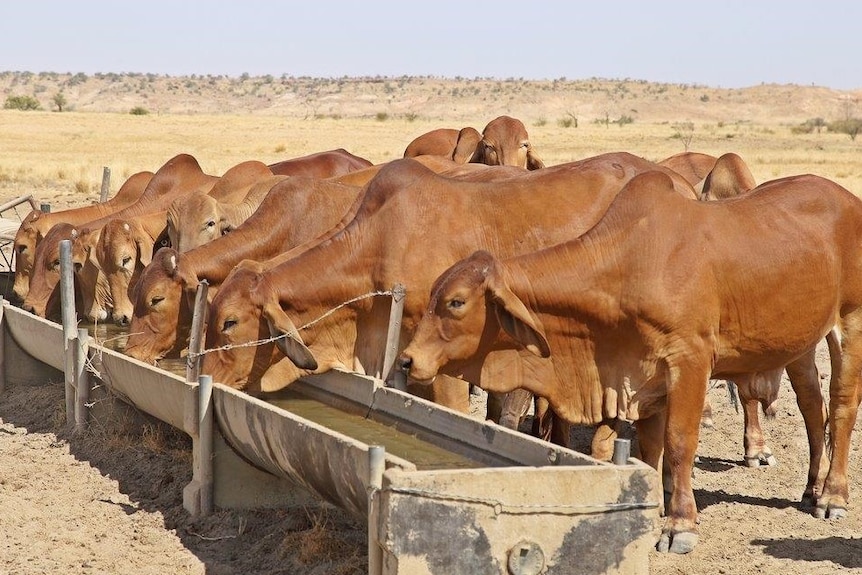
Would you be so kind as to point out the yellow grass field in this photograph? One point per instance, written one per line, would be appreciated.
(59, 157)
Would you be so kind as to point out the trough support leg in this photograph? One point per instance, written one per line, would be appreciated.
(376, 467)
(198, 494)
(82, 380)
(2, 346)
(70, 325)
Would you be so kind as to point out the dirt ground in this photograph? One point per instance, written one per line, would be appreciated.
(110, 501)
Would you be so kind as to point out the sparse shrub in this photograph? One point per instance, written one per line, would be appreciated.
(82, 187)
(683, 131)
(704, 98)
(281, 148)
(139, 111)
(382, 116)
(623, 120)
(22, 103)
(411, 116)
(850, 126)
(59, 101)
(541, 122)
(566, 122)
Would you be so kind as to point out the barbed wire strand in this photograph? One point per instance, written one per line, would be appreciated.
(258, 342)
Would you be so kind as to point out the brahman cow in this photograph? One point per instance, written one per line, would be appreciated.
(639, 312)
(402, 231)
(456, 145)
(36, 224)
(181, 174)
(503, 142)
(324, 164)
(295, 210)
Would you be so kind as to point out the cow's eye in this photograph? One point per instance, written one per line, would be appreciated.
(156, 300)
(126, 260)
(525, 144)
(211, 224)
(228, 324)
(455, 304)
(55, 265)
(22, 249)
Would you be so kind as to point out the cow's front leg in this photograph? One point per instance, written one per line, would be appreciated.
(686, 394)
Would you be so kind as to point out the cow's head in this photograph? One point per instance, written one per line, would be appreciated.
(239, 318)
(43, 297)
(161, 313)
(29, 234)
(194, 220)
(122, 251)
(505, 143)
(470, 302)
(91, 284)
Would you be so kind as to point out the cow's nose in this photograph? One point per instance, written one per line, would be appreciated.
(405, 362)
(122, 321)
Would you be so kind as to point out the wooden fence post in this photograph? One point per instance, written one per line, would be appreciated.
(394, 378)
(106, 184)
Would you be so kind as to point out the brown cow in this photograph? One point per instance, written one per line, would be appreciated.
(640, 311)
(36, 224)
(406, 210)
(123, 246)
(181, 174)
(321, 164)
(503, 142)
(455, 145)
(295, 210)
(693, 166)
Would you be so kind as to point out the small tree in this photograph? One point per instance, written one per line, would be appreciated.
(850, 126)
(22, 103)
(139, 111)
(684, 132)
(59, 101)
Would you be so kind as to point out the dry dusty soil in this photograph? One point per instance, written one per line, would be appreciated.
(110, 501)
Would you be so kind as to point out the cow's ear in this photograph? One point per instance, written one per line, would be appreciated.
(515, 319)
(145, 250)
(289, 341)
(533, 161)
(465, 147)
(479, 155)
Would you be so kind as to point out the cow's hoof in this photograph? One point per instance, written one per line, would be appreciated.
(760, 459)
(830, 512)
(681, 543)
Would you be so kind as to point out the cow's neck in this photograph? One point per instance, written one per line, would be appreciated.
(574, 291)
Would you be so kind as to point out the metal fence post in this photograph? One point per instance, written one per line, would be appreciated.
(70, 325)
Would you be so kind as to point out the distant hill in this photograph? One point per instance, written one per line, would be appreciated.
(447, 99)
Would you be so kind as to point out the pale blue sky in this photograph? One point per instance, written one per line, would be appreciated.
(725, 44)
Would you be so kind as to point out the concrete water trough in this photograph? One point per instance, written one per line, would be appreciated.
(441, 492)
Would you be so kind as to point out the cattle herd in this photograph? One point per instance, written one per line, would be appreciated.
(607, 290)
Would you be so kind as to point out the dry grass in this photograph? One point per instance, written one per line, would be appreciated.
(224, 121)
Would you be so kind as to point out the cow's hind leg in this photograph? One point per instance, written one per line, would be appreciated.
(805, 380)
(843, 407)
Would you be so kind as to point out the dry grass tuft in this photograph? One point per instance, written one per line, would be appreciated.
(318, 542)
